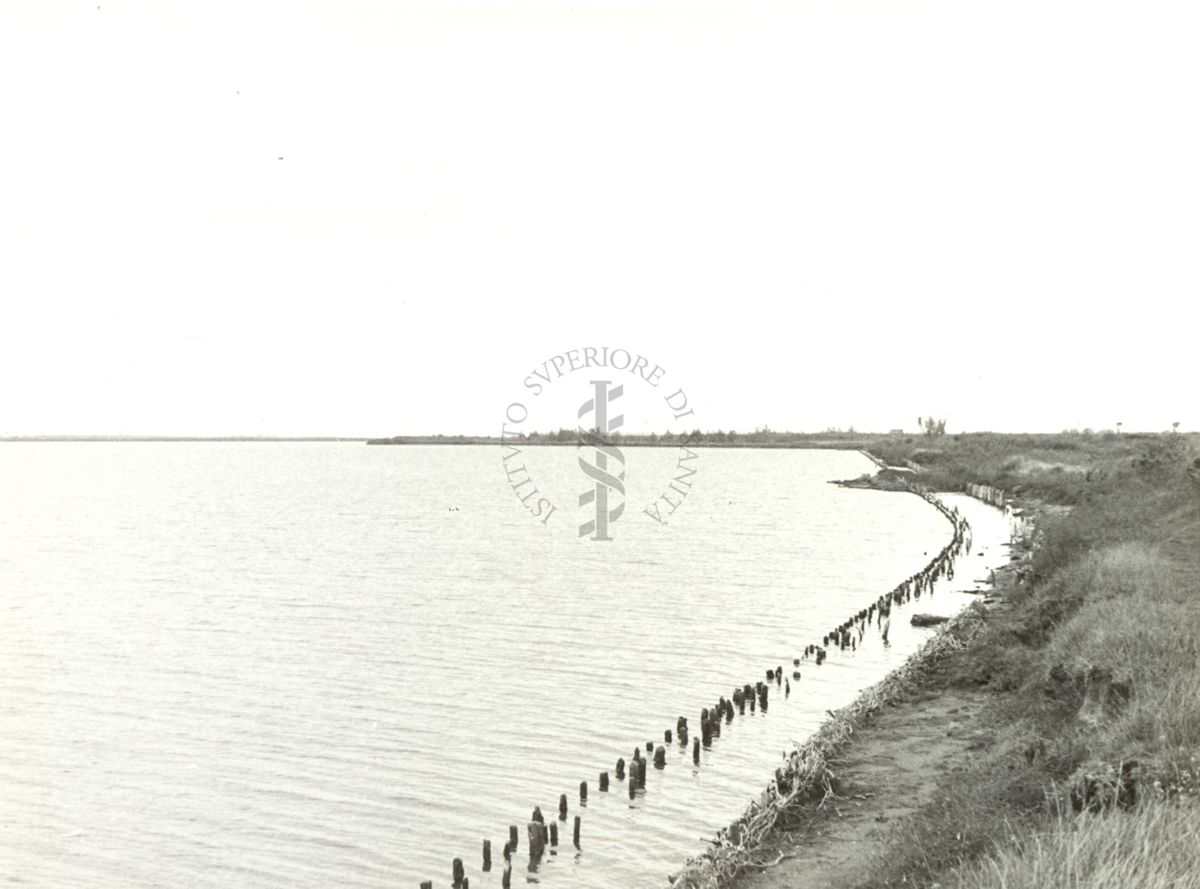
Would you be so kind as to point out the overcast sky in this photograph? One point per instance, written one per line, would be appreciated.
(366, 218)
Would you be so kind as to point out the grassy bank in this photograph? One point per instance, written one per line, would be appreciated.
(1091, 774)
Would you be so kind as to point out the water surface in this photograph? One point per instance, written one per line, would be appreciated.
(319, 664)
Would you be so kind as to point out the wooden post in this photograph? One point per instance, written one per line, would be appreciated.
(506, 877)
(604, 782)
(583, 791)
(562, 807)
(427, 884)
(621, 769)
(576, 834)
(536, 841)
(667, 736)
(660, 758)
(512, 837)
(553, 834)
(457, 870)
(696, 752)
(487, 855)
(537, 815)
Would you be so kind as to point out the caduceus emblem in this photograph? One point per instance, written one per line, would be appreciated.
(605, 477)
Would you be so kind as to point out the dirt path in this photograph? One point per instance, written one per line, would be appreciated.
(891, 769)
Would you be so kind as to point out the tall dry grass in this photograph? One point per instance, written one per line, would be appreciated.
(1154, 847)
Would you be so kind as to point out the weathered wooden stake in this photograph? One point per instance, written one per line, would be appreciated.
(512, 838)
(576, 835)
(487, 855)
(696, 751)
(621, 769)
(427, 884)
(506, 877)
(604, 782)
(537, 815)
(562, 807)
(667, 736)
(457, 870)
(583, 791)
(553, 834)
(536, 840)
(660, 758)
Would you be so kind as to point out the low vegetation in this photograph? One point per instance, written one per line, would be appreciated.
(1153, 846)
(1092, 773)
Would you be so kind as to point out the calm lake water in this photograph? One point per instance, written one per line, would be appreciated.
(320, 664)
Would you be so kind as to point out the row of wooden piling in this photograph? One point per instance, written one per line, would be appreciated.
(849, 633)
(542, 836)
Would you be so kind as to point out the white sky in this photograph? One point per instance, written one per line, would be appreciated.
(812, 214)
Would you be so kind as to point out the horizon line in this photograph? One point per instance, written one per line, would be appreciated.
(152, 437)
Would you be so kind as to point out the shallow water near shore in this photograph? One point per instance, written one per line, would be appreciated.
(320, 664)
